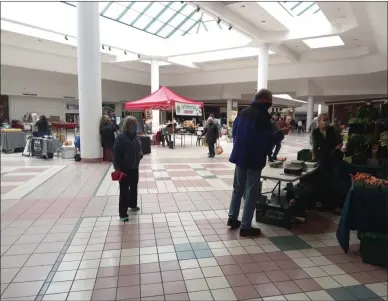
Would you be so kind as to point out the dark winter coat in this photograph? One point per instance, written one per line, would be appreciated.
(127, 152)
(107, 133)
(211, 133)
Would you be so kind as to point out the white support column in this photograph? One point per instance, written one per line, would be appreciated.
(310, 110)
(262, 68)
(155, 87)
(229, 104)
(319, 109)
(89, 79)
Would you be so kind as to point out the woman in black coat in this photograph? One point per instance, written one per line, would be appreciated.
(107, 133)
(211, 133)
(127, 153)
(327, 143)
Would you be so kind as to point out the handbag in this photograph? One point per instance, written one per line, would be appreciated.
(117, 176)
(219, 150)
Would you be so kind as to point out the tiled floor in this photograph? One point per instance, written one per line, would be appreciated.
(62, 240)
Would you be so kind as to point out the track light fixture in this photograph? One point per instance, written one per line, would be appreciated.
(66, 38)
(103, 47)
(125, 53)
(109, 48)
(138, 56)
(230, 27)
(218, 21)
(198, 9)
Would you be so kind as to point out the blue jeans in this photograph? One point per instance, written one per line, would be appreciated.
(248, 179)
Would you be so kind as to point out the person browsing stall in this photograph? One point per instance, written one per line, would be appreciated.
(127, 153)
(252, 137)
(42, 126)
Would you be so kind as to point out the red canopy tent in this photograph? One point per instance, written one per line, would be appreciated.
(162, 99)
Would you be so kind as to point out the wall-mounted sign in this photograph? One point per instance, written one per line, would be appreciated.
(72, 107)
(234, 104)
(188, 109)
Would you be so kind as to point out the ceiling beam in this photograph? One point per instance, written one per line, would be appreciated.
(218, 9)
(285, 51)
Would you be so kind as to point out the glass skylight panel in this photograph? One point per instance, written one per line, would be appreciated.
(154, 27)
(114, 10)
(142, 22)
(176, 5)
(299, 8)
(178, 19)
(165, 31)
(324, 42)
(166, 15)
(155, 9)
(187, 10)
(140, 6)
(187, 24)
(129, 16)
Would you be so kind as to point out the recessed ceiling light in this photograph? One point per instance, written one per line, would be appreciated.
(324, 42)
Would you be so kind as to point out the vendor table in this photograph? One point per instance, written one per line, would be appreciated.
(278, 214)
(377, 171)
(10, 141)
(183, 138)
(44, 148)
(364, 210)
(278, 175)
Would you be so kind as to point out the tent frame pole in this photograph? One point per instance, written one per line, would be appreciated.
(173, 128)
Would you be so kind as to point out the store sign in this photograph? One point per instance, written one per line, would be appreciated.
(36, 147)
(188, 109)
(234, 104)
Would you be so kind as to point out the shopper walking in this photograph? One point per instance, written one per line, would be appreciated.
(107, 134)
(252, 137)
(277, 123)
(127, 153)
(211, 132)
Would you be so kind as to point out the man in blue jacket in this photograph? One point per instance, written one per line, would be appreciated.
(253, 134)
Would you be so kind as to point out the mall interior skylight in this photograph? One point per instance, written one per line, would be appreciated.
(300, 8)
(162, 19)
(220, 55)
(324, 42)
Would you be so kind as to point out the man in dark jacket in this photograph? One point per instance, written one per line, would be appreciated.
(253, 134)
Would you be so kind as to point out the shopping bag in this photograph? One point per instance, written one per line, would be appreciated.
(219, 150)
(117, 176)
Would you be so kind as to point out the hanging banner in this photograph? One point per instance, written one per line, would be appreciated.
(187, 109)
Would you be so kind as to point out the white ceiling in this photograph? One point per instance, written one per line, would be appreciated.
(358, 68)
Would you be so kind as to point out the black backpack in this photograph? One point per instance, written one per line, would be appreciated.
(77, 157)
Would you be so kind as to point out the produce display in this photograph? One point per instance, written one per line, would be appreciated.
(189, 124)
(363, 178)
(384, 139)
(11, 130)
